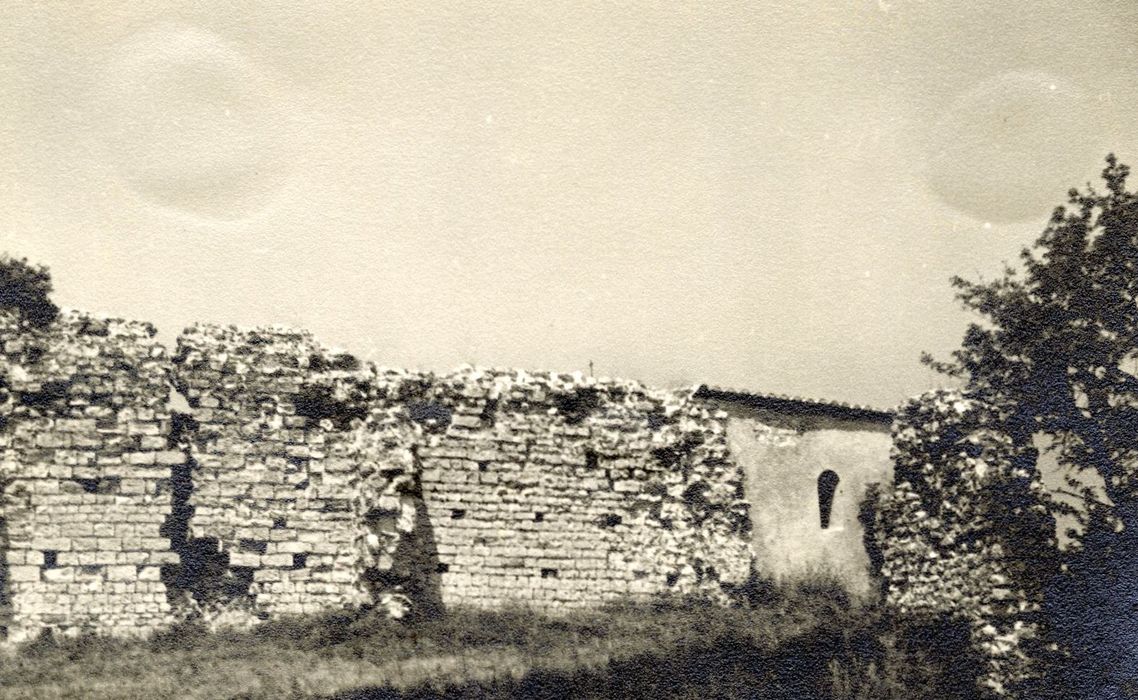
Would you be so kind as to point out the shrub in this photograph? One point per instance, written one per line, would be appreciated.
(25, 290)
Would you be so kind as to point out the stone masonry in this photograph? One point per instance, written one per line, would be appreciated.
(85, 471)
(269, 492)
(292, 479)
(556, 490)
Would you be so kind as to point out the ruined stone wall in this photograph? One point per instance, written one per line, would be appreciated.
(275, 485)
(318, 483)
(85, 491)
(964, 532)
(256, 473)
(557, 490)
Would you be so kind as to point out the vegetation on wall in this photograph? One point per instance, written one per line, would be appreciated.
(25, 289)
(966, 537)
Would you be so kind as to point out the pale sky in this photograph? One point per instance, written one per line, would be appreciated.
(770, 198)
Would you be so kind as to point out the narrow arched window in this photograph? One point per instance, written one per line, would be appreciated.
(827, 485)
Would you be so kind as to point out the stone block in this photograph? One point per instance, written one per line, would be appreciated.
(249, 559)
(466, 421)
(276, 560)
(169, 457)
(58, 544)
(141, 427)
(20, 574)
(288, 547)
(153, 442)
(60, 575)
(122, 573)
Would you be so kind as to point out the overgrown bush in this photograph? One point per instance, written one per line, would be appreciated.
(25, 290)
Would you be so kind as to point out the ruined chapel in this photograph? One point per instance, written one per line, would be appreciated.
(256, 473)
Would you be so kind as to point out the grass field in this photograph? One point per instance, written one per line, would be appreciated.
(802, 642)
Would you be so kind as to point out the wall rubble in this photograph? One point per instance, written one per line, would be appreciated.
(478, 487)
(299, 480)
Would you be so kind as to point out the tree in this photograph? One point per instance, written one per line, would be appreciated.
(1058, 341)
(25, 290)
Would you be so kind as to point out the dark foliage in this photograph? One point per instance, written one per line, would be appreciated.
(435, 417)
(317, 402)
(578, 405)
(343, 362)
(25, 289)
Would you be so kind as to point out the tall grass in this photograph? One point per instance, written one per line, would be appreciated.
(803, 640)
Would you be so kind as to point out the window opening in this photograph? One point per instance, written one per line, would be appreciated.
(827, 486)
(592, 460)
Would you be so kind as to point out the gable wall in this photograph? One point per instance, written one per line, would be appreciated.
(783, 458)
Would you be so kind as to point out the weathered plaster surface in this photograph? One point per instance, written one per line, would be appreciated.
(782, 460)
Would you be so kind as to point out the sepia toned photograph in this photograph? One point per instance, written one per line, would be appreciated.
(369, 351)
